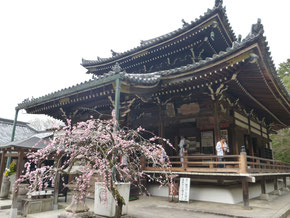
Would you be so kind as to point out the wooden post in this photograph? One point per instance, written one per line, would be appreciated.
(185, 160)
(143, 162)
(13, 135)
(217, 132)
(13, 212)
(285, 188)
(243, 163)
(2, 166)
(284, 182)
(275, 183)
(235, 149)
(19, 164)
(56, 183)
(276, 189)
(117, 98)
(264, 195)
(263, 186)
(245, 193)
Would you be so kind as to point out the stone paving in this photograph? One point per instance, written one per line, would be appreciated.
(158, 207)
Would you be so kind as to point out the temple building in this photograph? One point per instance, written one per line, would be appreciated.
(200, 81)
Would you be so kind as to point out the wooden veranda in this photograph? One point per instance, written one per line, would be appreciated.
(242, 168)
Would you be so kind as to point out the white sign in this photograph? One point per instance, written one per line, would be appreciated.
(184, 188)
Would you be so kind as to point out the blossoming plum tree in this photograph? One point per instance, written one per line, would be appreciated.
(99, 146)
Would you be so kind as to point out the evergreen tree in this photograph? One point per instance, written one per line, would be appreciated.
(281, 140)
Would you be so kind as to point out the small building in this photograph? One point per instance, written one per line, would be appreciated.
(23, 131)
(200, 81)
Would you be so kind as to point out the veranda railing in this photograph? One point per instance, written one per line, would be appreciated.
(229, 164)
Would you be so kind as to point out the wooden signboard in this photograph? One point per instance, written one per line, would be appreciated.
(184, 188)
(186, 109)
(170, 110)
(207, 139)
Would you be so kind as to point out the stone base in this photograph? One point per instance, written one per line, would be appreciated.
(264, 197)
(78, 208)
(286, 189)
(87, 214)
(277, 192)
(37, 205)
(247, 208)
(13, 213)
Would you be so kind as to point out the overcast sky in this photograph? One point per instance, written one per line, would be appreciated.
(42, 42)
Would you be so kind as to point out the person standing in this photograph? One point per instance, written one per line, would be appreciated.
(221, 149)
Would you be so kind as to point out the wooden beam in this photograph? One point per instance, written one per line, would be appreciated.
(9, 155)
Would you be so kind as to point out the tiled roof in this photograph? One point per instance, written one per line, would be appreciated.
(23, 130)
(35, 141)
(150, 79)
(147, 43)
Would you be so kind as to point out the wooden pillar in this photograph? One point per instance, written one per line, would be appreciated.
(56, 183)
(245, 193)
(243, 165)
(264, 195)
(2, 166)
(143, 162)
(263, 186)
(13, 135)
(285, 188)
(235, 148)
(19, 164)
(16, 188)
(276, 189)
(284, 182)
(217, 132)
(117, 98)
(275, 183)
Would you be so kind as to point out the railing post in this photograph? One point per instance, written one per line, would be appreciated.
(143, 162)
(258, 166)
(243, 163)
(185, 160)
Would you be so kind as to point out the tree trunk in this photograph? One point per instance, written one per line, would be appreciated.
(120, 202)
(118, 211)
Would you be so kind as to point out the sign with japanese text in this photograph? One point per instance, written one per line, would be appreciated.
(184, 188)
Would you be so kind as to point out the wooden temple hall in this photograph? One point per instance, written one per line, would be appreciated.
(200, 81)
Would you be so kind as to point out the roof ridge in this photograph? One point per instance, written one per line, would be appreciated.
(152, 77)
(147, 43)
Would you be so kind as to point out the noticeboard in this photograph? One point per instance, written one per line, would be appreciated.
(184, 188)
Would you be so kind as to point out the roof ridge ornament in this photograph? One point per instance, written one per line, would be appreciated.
(116, 68)
(185, 24)
(239, 38)
(218, 3)
(257, 28)
(114, 53)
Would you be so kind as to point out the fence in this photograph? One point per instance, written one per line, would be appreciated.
(228, 164)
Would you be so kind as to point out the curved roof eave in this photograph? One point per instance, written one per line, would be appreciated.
(148, 43)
